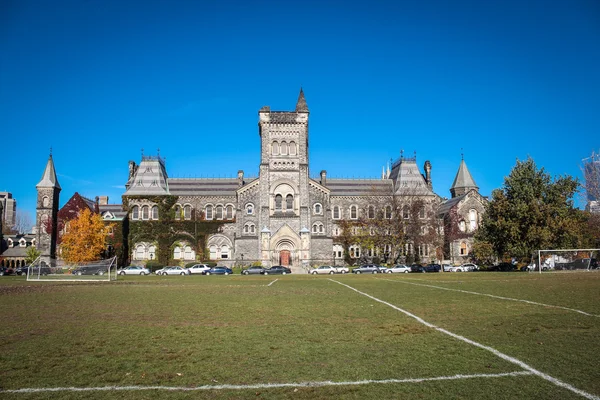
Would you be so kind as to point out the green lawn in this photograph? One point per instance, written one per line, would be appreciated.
(187, 332)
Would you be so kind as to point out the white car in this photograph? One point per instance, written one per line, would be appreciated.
(323, 269)
(198, 269)
(404, 269)
(468, 267)
(341, 269)
(173, 271)
(134, 270)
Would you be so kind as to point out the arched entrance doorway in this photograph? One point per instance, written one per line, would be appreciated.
(284, 257)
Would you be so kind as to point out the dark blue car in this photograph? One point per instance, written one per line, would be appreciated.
(218, 271)
(277, 269)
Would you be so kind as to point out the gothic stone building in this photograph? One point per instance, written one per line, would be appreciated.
(283, 216)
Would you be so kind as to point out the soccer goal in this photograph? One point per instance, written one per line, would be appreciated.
(58, 270)
(564, 260)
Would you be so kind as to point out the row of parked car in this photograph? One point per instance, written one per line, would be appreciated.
(202, 269)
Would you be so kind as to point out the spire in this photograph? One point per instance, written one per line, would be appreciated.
(301, 104)
(49, 179)
(463, 182)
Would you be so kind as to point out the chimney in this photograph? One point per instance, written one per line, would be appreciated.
(240, 178)
(427, 168)
(324, 178)
(103, 200)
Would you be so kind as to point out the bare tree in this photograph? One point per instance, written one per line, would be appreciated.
(23, 222)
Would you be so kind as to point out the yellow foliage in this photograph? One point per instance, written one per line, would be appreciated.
(85, 238)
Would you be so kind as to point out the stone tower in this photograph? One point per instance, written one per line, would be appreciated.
(284, 203)
(463, 182)
(48, 190)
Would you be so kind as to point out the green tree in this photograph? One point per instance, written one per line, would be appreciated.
(31, 255)
(85, 238)
(532, 211)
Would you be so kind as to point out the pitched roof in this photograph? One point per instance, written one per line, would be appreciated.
(359, 187)
(204, 186)
(49, 179)
(150, 177)
(408, 178)
(463, 178)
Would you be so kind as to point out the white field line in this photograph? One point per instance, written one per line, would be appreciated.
(261, 385)
(497, 297)
(273, 282)
(503, 356)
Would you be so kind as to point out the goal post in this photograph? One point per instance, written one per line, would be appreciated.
(564, 260)
(57, 270)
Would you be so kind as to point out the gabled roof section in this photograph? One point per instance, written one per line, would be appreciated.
(359, 187)
(74, 206)
(149, 178)
(49, 179)
(301, 105)
(408, 179)
(463, 178)
(203, 186)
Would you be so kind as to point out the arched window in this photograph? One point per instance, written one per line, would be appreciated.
(229, 212)
(213, 252)
(155, 212)
(472, 219)
(405, 213)
(278, 200)
(145, 212)
(225, 251)
(249, 209)
(371, 212)
(283, 148)
(177, 211)
(152, 252)
(353, 212)
(135, 213)
(463, 249)
(422, 212)
(388, 212)
(315, 228)
(292, 148)
(252, 228)
(209, 212)
(320, 228)
(462, 226)
(139, 252)
(187, 211)
(187, 253)
(246, 228)
(219, 212)
(177, 253)
(289, 202)
(46, 201)
(336, 212)
(318, 209)
(275, 148)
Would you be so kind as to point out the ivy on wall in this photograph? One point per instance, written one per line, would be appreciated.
(166, 232)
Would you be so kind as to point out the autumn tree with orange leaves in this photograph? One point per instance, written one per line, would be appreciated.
(85, 238)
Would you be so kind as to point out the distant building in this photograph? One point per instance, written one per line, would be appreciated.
(13, 249)
(591, 172)
(9, 207)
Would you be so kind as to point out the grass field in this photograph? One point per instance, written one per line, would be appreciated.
(406, 336)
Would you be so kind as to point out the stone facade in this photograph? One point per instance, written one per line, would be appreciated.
(48, 191)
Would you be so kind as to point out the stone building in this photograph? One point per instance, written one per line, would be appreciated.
(283, 216)
(8, 205)
(462, 214)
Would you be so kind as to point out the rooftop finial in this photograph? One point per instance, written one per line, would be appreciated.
(401, 153)
(415, 154)
(142, 152)
(50, 151)
(158, 151)
(462, 155)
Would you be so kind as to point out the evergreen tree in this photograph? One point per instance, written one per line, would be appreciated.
(532, 211)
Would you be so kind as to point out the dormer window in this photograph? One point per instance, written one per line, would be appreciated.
(10, 242)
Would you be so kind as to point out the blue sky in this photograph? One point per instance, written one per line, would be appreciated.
(99, 80)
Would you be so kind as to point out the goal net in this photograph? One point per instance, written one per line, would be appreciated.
(58, 270)
(564, 260)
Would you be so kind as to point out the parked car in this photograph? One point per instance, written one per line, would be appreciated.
(253, 270)
(427, 268)
(22, 270)
(340, 269)
(367, 269)
(218, 271)
(34, 271)
(6, 271)
(277, 269)
(502, 267)
(134, 270)
(447, 267)
(467, 267)
(384, 270)
(173, 271)
(90, 270)
(400, 269)
(324, 269)
(198, 269)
